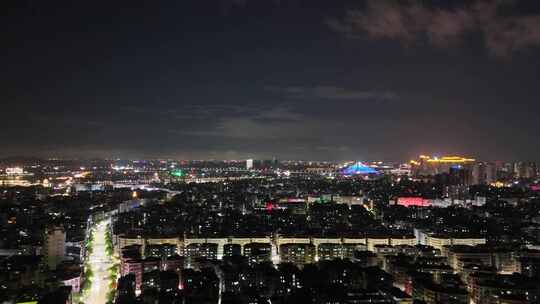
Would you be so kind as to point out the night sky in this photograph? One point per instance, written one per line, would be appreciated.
(298, 79)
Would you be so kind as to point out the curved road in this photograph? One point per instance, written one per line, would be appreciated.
(100, 263)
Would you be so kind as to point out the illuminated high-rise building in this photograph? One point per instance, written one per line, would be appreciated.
(54, 246)
(525, 170)
(258, 253)
(491, 173)
(298, 254)
(484, 173)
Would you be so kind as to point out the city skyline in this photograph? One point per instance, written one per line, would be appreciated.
(270, 151)
(320, 80)
(447, 229)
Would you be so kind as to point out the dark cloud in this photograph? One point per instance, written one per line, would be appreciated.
(332, 93)
(268, 122)
(262, 79)
(227, 6)
(411, 22)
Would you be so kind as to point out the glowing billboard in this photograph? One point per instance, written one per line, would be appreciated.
(413, 201)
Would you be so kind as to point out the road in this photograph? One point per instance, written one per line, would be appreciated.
(100, 263)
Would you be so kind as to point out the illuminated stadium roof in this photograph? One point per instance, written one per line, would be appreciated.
(358, 168)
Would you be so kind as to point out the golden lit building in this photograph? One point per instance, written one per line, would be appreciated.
(428, 165)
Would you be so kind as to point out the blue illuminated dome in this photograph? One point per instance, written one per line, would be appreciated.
(359, 168)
